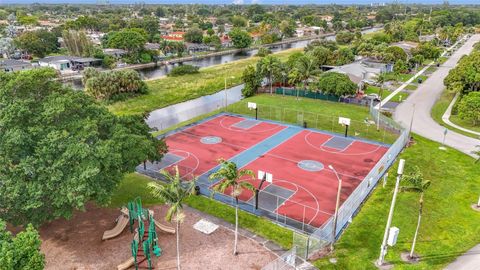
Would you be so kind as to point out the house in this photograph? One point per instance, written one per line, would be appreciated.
(407, 46)
(226, 41)
(193, 47)
(255, 36)
(117, 53)
(327, 18)
(174, 36)
(9, 65)
(426, 38)
(66, 64)
(358, 72)
(299, 32)
(152, 46)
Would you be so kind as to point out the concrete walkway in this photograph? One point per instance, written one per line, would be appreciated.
(448, 113)
(416, 109)
(420, 72)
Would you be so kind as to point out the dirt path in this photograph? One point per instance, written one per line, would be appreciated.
(77, 244)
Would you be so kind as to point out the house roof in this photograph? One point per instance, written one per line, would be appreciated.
(357, 71)
(67, 58)
(13, 63)
(406, 45)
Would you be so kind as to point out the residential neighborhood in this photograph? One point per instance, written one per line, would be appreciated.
(279, 135)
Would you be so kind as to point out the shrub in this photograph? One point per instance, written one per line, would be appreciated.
(262, 52)
(108, 84)
(183, 69)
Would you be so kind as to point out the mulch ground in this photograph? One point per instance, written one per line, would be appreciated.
(77, 244)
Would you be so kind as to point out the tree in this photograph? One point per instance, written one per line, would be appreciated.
(465, 77)
(397, 53)
(417, 184)
(239, 21)
(469, 107)
(342, 56)
(251, 80)
(22, 251)
(427, 50)
(400, 66)
(240, 38)
(306, 66)
(230, 178)
(160, 12)
(194, 35)
(127, 39)
(39, 43)
(77, 43)
(337, 84)
(61, 148)
(268, 66)
(174, 194)
(108, 84)
(287, 28)
(321, 54)
(344, 37)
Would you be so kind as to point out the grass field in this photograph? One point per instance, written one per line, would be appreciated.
(449, 226)
(171, 90)
(318, 114)
(135, 185)
(376, 90)
(439, 109)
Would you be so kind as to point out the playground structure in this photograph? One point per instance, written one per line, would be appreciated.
(145, 240)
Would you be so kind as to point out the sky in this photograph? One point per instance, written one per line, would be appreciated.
(295, 2)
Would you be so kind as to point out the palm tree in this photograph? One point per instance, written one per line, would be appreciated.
(381, 79)
(173, 194)
(307, 67)
(417, 184)
(268, 66)
(231, 180)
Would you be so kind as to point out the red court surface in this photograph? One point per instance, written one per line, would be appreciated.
(200, 158)
(315, 191)
(312, 192)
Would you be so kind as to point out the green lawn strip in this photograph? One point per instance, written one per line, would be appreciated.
(172, 90)
(439, 109)
(411, 87)
(464, 123)
(319, 114)
(135, 185)
(449, 226)
(376, 90)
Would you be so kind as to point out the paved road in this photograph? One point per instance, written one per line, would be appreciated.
(420, 103)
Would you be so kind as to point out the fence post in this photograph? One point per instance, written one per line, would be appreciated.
(303, 220)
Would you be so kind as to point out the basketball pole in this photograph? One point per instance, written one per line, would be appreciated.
(346, 131)
(256, 113)
(258, 190)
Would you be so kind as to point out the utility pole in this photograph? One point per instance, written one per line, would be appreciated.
(383, 247)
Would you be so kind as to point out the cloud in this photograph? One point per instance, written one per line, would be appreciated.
(238, 2)
(255, 2)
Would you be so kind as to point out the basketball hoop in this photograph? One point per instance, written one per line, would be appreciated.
(262, 176)
(345, 122)
(253, 106)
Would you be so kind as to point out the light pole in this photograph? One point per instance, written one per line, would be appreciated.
(383, 248)
(335, 217)
(226, 103)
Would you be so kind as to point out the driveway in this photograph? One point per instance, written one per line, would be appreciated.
(420, 103)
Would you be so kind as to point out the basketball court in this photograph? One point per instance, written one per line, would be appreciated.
(294, 166)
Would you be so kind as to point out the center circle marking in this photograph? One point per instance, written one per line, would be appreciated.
(310, 165)
(211, 140)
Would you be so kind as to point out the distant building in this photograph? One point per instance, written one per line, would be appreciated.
(360, 72)
(407, 46)
(117, 53)
(9, 65)
(426, 38)
(152, 46)
(174, 36)
(193, 47)
(226, 41)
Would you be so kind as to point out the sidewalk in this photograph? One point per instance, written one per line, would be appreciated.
(448, 113)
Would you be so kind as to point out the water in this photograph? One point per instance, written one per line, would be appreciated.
(161, 71)
(158, 72)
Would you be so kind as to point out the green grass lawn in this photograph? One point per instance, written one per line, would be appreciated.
(135, 185)
(376, 90)
(439, 109)
(318, 114)
(171, 90)
(449, 226)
